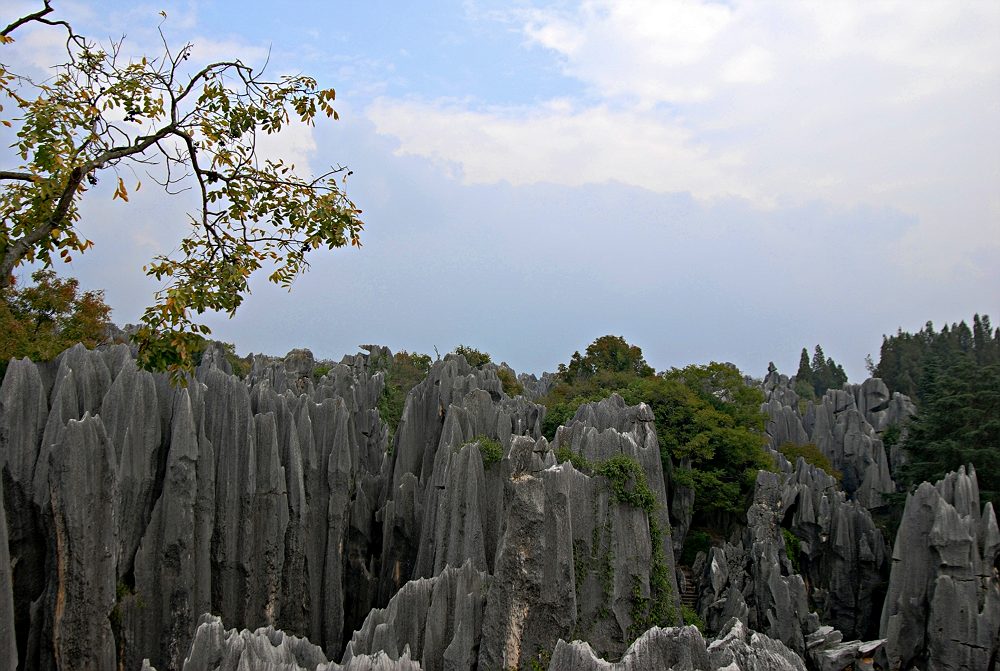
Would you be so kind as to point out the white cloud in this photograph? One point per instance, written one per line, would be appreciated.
(888, 104)
(560, 144)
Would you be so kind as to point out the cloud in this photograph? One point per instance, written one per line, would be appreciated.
(558, 143)
(888, 105)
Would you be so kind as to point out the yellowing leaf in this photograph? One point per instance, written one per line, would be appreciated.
(120, 192)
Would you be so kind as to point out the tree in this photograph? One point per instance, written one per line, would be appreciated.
(102, 114)
(706, 416)
(905, 357)
(475, 357)
(606, 354)
(957, 423)
(41, 321)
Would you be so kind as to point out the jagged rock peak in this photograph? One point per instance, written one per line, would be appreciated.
(683, 649)
(942, 609)
(435, 621)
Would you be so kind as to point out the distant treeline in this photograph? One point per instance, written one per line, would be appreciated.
(954, 376)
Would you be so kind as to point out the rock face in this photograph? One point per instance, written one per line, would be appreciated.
(942, 609)
(683, 648)
(846, 425)
(137, 506)
(842, 553)
(133, 508)
(8, 642)
(434, 621)
(753, 579)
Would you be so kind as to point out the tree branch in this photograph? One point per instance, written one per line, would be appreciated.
(28, 19)
(23, 176)
(19, 248)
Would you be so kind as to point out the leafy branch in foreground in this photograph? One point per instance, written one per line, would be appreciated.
(190, 129)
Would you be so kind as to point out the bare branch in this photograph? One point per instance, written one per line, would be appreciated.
(36, 16)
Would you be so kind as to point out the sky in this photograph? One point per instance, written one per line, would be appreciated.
(714, 181)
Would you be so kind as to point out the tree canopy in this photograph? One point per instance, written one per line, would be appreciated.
(706, 416)
(607, 354)
(39, 321)
(816, 376)
(101, 115)
(954, 377)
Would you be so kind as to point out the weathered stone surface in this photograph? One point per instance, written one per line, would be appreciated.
(846, 425)
(675, 648)
(755, 576)
(130, 413)
(942, 609)
(842, 553)
(23, 414)
(80, 595)
(278, 501)
(750, 650)
(684, 649)
(602, 430)
(437, 620)
(535, 387)
(172, 575)
(8, 640)
(452, 407)
(532, 599)
(266, 649)
(229, 427)
(783, 424)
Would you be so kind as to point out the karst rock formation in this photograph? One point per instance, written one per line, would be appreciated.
(271, 522)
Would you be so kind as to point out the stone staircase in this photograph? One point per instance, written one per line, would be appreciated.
(689, 595)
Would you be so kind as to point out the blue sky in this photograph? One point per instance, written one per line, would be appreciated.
(713, 181)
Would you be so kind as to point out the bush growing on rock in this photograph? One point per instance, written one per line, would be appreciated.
(402, 373)
(813, 456)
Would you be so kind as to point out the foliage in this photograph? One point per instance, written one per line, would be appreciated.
(103, 114)
(891, 435)
(957, 423)
(580, 462)
(954, 377)
(608, 353)
(707, 414)
(475, 358)
(402, 373)
(691, 617)
(628, 482)
(813, 456)
(815, 377)
(697, 540)
(511, 386)
(41, 321)
(792, 548)
(320, 370)
(904, 357)
(491, 450)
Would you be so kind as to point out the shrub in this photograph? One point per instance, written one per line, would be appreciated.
(695, 542)
(491, 450)
(813, 456)
(473, 356)
(628, 482)
(691, 616)
(402, 373)
(792, 548)
(580, 462)
(511, 386)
